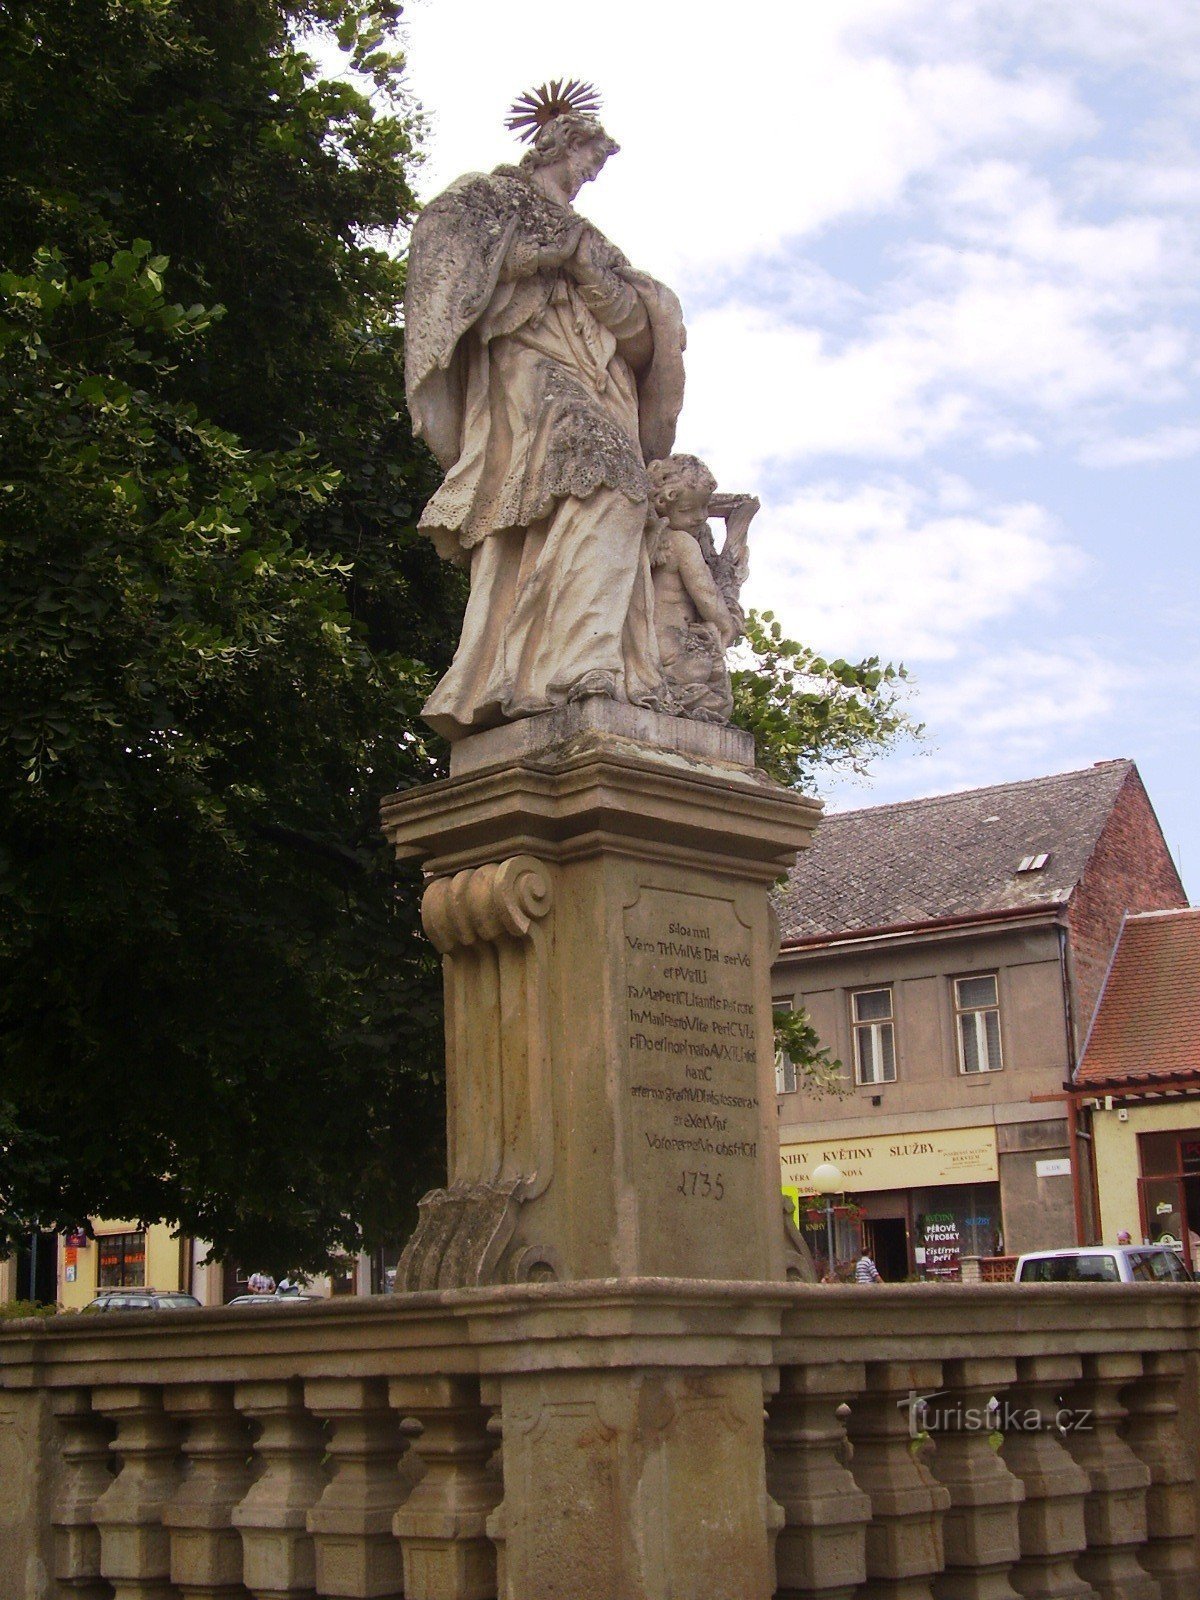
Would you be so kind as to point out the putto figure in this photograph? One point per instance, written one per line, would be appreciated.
(697, 613)
(544, 372)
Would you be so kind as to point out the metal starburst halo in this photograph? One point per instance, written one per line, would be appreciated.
(534, 110)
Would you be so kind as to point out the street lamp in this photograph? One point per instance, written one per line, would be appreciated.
(827, 1180)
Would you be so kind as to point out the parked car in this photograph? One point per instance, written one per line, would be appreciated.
(280, 1297)
(142, 1300)
(1120, 1263)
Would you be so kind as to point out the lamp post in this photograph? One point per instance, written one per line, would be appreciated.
(827, 1180)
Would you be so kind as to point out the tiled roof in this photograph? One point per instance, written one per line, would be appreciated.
(1148, 1021)
(950, 855)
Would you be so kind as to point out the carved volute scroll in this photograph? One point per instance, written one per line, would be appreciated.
(489, 923)
(485, 903)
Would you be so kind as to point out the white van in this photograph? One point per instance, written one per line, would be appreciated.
(1119, 1263)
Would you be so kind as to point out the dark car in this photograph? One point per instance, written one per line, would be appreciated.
(142, 1300)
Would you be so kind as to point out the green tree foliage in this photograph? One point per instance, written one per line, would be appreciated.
(808, 714)
(218, 625)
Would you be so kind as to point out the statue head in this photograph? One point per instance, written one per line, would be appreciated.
(680, 489)
(573, 144)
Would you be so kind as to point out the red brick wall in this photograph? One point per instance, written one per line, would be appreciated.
(1130, 870)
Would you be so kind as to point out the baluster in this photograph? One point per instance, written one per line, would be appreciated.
(1115, 1510)
(278, 1559)
(86, 1449)
(1152, 1432)
(442, 1526)
(1051, 1515)
(490, 1396)
(206, 1549)
(135, 1548)
(821, 1549)
(904, 1536)
(351, 1524)
(981, 1529)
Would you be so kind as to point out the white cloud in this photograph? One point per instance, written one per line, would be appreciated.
(886, 569)
(1025, 696)
(736, 137)
(1163, 34)
(1164, 444)
(992, 719)
(917, 232)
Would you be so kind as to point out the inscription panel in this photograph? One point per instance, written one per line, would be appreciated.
(693, 1110)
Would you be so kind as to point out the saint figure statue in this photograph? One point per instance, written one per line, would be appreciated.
(544, 372)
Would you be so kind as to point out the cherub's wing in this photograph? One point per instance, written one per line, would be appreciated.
(732, 566)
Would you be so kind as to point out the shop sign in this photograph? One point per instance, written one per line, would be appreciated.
(943, 1247)
(898, 1160)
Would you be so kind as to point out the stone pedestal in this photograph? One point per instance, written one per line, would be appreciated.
(598, 887)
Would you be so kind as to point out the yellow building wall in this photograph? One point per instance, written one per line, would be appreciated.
(1116, 1156)
(163, 1262)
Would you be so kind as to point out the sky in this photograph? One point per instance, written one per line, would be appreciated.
(939, 265)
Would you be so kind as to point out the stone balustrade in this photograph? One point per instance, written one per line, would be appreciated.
(632, 1440)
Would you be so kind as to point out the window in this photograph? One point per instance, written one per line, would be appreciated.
(977, 1003)
(122, 1261)
(874, 1036)
(785, 1067)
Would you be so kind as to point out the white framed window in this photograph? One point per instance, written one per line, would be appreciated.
(785, 1067)
(874, 1036)
(977, 1013)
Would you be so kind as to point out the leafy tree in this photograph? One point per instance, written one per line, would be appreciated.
(808, 715)
(218, 625)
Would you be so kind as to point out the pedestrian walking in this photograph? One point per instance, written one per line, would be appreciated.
(865, 1270)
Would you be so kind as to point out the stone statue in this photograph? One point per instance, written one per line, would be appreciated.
(544, 372)
(697, 611)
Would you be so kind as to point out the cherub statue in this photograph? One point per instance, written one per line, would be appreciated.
(697, 612)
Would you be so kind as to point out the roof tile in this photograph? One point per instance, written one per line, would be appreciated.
(949, 855)
(1148, 1019)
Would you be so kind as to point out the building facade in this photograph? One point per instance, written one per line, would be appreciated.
(950, 952)
(1138, 1085)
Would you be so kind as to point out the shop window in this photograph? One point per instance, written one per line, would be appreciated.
(874, 1036)
(785, 1067)
(977, 1007)
(342, 1270)
(122, 1261)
